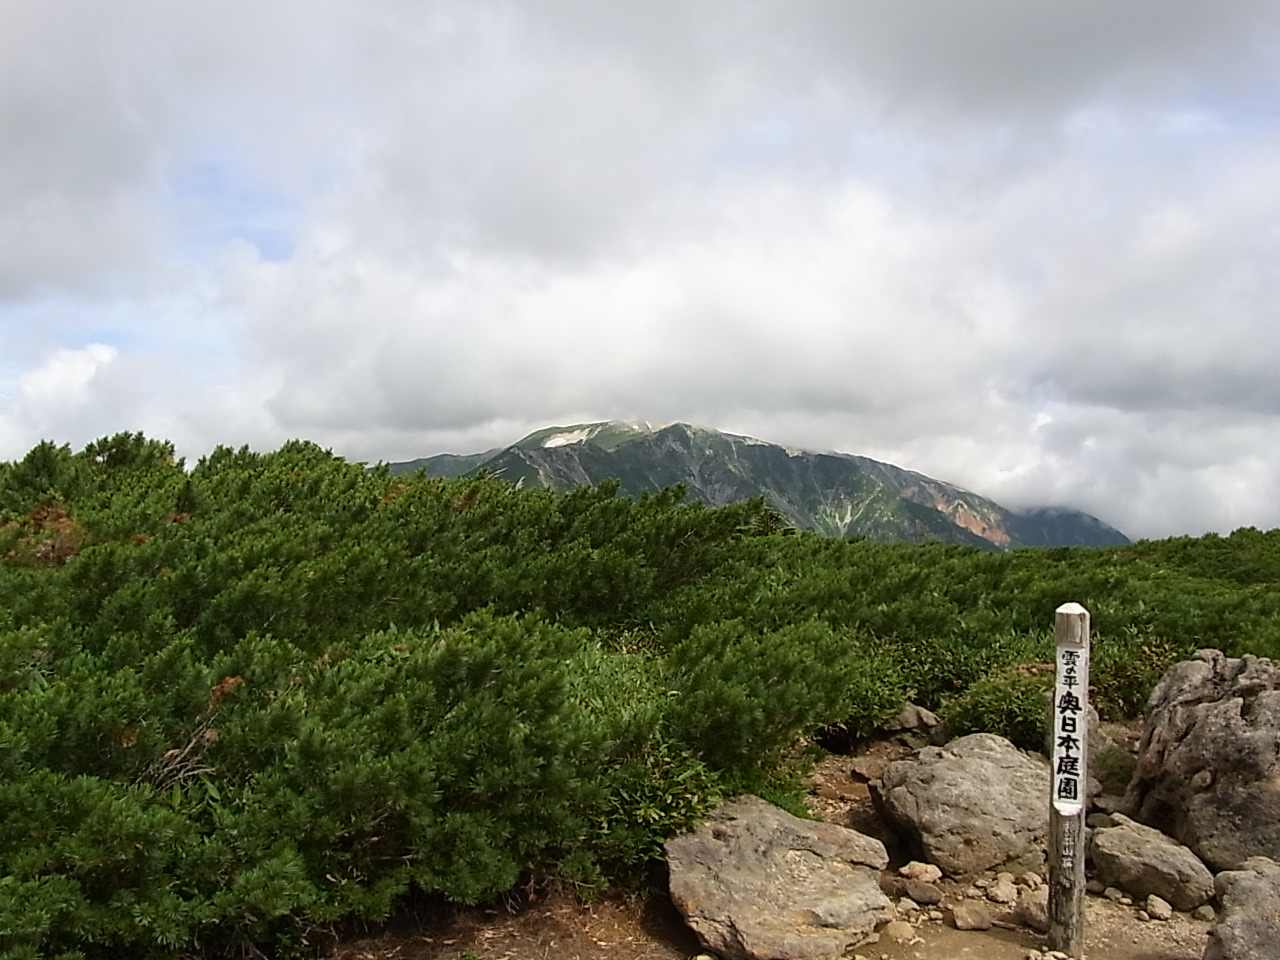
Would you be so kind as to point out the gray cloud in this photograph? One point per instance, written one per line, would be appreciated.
(1024, 247)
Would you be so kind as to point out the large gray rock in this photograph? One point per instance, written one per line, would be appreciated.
(976, 804)
(1249, 926)
(756, 883)
(1143, 861)
(1208, 769)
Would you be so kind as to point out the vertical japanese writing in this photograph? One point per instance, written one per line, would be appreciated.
(1070, 723)
(1067, 845)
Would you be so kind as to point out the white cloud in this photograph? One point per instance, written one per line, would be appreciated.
(60, 391)
(1028, 248)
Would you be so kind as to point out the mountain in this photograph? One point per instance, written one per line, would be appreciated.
(447, 464)
(838, 494)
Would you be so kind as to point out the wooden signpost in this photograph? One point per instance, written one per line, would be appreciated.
(1069, 779)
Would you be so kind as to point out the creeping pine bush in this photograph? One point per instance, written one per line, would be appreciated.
(312, 790)
(741, 697)
(246, 704)
(1010, 701)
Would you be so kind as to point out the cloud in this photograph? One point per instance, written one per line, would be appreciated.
(1027, 248)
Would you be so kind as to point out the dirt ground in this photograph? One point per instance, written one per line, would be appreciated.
(557, 927)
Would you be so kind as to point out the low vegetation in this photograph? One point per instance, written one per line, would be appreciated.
(247, 704)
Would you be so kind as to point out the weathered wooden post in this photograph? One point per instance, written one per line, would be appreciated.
(1069, 780)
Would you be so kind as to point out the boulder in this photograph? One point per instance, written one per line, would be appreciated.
(914, 725)
(756, 882)
(1143, 861)
(973, 805)
(1208, 770)
(1249, 925)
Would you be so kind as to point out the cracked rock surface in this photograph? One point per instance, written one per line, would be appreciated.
(756, 883)
(976, 804)
(1208, 770)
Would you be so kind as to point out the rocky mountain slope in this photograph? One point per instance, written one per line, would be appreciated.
(837, 494)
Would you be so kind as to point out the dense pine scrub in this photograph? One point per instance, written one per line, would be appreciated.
(247, 704)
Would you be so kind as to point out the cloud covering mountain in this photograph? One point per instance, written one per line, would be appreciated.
(1030, 248)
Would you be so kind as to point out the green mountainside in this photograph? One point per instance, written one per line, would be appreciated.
(447, 464)
(837, 494)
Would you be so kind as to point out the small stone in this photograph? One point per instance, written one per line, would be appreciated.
(1032, 909)
(1095, 887)
(1144, 916)
(1031, 880)
(983, 882)
(1096, 820)
(898, 930)
(971, 916)
(975, 893)
(915, 870)
(1113, 893)
(1205, 913)
(1003, 890)
(1159, 909)
(907, 905)
(935, 915)
(921, 891)
(1126, 901)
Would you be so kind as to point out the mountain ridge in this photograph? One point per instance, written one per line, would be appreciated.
(838, 494)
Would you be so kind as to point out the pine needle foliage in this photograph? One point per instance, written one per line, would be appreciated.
(247, 703)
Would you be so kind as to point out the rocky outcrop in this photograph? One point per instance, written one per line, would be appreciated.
(976, 804)
(1208, 770)
(1142, 861)
(1249, 927)
(756, 882)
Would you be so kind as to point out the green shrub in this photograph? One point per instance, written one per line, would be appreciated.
(1124, 670)
(1010, 702)
(742, 697)
(243, 704)
(1113, 766)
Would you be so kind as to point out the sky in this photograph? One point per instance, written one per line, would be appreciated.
(1029, 248)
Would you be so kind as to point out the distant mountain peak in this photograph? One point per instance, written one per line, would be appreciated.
(606, 434)
(611, 434)
(839, 494)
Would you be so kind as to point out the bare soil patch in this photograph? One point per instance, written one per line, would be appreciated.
(552, 927)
